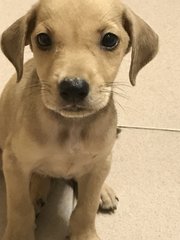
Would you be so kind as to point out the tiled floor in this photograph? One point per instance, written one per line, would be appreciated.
(146, 176)
(146, 168)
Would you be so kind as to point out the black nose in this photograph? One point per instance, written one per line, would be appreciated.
(73, 89)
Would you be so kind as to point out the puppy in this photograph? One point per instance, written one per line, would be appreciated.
(57, 115)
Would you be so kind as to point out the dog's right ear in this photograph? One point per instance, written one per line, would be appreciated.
(15, 38)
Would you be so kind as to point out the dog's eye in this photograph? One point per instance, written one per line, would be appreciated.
(44, 41)
(110, 41)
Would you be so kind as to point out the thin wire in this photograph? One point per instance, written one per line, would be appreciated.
(150, 128)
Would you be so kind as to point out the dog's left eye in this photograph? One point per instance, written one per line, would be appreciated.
(109, 41)
(44, 41)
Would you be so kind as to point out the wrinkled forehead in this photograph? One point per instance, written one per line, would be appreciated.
(80, 12)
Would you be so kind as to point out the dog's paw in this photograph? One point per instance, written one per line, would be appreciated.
(108, 200)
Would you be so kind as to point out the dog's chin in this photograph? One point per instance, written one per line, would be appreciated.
(76, 114)
(75, 111)
(71, 112)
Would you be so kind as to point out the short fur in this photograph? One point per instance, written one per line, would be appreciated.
(39, 134)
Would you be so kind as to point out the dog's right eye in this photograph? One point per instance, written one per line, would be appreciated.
(44, 41)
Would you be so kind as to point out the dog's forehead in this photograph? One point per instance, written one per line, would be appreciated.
(83, 10)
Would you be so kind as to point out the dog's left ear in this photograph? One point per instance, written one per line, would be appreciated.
(15, 38)
(143, 40)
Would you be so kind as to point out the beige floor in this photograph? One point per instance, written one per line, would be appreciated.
(146, 169)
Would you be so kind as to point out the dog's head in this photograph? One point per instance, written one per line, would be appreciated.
(78, 47)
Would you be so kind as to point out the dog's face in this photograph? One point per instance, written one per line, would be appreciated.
(78, 47)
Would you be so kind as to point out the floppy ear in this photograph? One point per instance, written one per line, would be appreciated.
(15, 38)
(144, 42)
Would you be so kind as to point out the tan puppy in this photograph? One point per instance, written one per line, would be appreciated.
(57, 115)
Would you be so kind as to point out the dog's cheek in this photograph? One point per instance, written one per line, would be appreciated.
(111, 60)
(110, 70)
(98, 98)
(42, 60)
(109, 63)
(42, 64)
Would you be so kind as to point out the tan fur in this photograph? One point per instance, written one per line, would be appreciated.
(38, 134)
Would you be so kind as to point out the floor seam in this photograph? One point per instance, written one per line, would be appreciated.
(149, 128)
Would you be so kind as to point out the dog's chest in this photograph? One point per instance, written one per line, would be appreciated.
(72, 156)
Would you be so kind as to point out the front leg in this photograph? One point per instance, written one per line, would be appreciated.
(39, 190)
(82, 222)
(20, 212)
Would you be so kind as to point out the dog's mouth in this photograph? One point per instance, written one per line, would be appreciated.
(75, 110)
